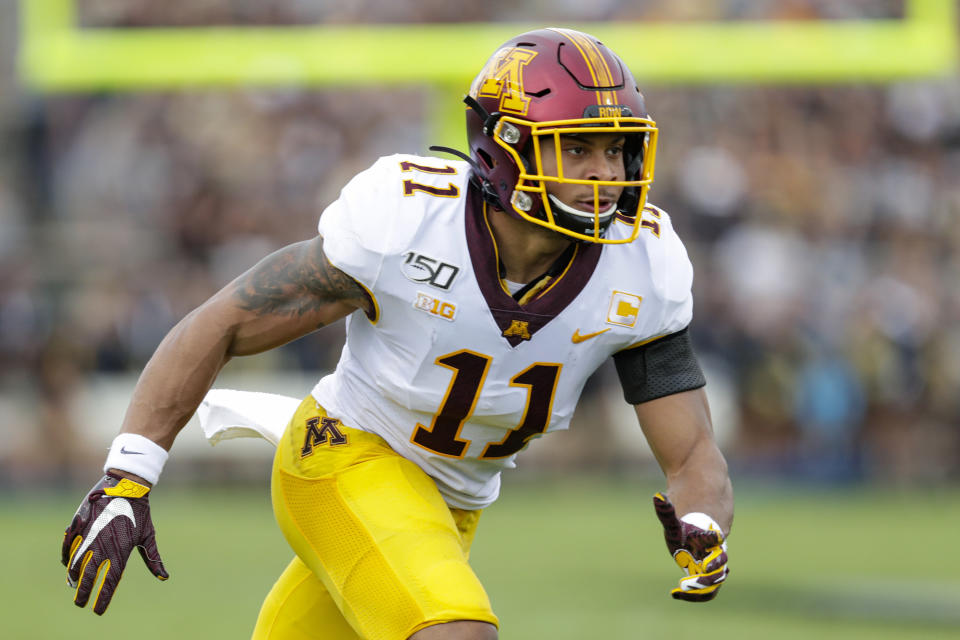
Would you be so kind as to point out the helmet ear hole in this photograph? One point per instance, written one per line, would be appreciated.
(485, 158)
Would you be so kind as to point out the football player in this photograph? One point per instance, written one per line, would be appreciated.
(479, 295)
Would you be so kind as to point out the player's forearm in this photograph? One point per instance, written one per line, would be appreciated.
(177, 377)
(679, 430)
(703, 484)
(288, 294)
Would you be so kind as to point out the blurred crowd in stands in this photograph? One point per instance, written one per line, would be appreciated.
(823, 223)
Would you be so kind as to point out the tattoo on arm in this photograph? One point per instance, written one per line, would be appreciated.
(298, 280)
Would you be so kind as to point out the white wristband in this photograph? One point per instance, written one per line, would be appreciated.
(702, 520)
(136, 454)
(706, 523)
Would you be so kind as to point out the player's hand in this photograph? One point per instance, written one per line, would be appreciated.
(698, 546)
(112, 519)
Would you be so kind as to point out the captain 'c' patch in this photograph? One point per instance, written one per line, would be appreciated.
(624, 309)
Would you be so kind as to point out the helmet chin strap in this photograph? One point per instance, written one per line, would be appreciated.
(576, 212)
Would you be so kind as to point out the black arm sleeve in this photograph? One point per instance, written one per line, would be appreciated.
(660, 368)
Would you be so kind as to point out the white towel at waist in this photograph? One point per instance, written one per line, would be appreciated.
(227, 413)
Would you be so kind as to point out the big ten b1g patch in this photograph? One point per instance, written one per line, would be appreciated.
(435, 306)
(322, 431)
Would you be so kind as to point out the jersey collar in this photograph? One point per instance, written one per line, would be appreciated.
(544, 301)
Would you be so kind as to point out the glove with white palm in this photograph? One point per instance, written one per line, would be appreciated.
(113, 518)
(697, 544)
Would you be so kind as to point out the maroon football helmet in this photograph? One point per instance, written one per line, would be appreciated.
(547, 83)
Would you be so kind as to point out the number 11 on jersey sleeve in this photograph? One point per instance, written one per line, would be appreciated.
(410, 187)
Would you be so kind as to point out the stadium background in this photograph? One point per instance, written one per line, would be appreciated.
(809, 157)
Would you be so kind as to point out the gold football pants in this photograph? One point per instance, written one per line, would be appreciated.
(379, 554)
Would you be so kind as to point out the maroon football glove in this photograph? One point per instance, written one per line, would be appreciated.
(112, 519)
(698, 547)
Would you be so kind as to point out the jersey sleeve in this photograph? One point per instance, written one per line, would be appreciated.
(673, 278)
(664, 363)
(678, 284)
(359, 228)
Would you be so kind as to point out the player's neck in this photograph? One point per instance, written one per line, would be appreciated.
(526, 250)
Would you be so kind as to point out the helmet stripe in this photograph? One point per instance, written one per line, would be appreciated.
(596, 64)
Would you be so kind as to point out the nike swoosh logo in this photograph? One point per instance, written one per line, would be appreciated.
(577, 338)
(130, 453)
(118, 507)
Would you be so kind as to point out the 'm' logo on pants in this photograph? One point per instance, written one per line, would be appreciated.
(321, 431)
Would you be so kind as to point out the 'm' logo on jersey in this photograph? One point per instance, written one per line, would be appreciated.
(503, 78)
(321, 431)
(421, 268)
(435, 306)
(518, 329)
(624, 309)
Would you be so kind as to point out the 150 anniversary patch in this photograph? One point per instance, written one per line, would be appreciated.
(424, 269)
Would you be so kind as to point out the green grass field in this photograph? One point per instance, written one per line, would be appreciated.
(561, 559)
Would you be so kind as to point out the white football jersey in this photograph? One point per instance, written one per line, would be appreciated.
(452, 372)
